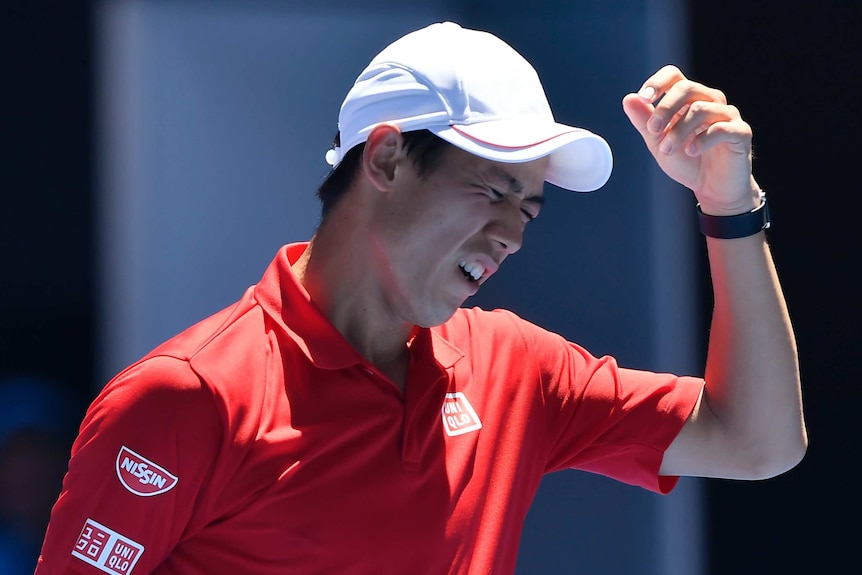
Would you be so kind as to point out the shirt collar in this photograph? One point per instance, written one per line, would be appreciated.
(284, 299)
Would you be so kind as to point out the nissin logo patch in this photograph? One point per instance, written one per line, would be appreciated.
(459, 417)
(141, 476)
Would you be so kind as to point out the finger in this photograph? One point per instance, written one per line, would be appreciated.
(675, 102)
(736, 135)
(638, 112)
(674, 92)
(671, 79)
(691, 120)
(656, 85)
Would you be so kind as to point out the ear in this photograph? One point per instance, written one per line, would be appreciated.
(384, 148)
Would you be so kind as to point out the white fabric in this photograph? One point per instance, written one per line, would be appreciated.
(475, 91)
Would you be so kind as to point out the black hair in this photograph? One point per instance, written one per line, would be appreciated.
(422, 146)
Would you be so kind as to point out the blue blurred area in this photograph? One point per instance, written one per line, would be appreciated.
(37, 403)
(38, 419)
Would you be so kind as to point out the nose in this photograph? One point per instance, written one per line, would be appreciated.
(507, 230)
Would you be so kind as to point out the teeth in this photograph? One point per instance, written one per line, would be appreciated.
(475, 269)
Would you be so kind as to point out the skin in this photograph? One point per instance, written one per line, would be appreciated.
(386, 260)
(387, 257)
(749, 422)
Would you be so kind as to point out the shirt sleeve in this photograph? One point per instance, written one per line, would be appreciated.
(606, 419)
(138, 469)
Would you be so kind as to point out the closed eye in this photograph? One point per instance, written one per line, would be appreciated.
(531, 206)
(529, 214)
(496, 194)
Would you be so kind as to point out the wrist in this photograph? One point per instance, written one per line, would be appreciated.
(715, 203)
(737, 225)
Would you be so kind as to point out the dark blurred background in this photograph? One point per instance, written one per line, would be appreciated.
(793, 68)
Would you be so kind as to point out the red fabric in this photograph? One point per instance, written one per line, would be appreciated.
(292, 454)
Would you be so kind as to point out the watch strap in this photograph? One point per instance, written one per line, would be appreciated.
(738, 226)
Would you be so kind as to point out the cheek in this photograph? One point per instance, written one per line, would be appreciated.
(437, 221)
(452, 230)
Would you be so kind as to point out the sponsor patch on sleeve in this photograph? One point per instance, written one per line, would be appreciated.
(141, 476)
(106, 549)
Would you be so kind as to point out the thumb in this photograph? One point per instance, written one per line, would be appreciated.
(639, 111)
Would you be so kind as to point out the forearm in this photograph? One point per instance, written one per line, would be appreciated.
(752, 373)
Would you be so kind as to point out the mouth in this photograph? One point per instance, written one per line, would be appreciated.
(478, 269)
(473, 271)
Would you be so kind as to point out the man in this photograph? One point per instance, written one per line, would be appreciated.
(347, 415)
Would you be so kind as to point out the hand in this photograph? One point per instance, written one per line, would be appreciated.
(697, 138)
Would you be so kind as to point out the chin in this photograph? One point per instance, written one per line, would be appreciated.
(435, 317)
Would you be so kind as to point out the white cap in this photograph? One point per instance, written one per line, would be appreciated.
(476, 92)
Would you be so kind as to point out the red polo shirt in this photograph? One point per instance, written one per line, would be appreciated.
(260, 442)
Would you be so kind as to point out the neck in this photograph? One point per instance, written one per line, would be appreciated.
(335, 273)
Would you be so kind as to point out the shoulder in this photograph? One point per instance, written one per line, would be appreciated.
(216, 357)
(476, 322)
(157, 394)
(500, 341)
(200, 379)
(234, 324)
(477, 328)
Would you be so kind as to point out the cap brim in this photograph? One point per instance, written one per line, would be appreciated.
(579, 159)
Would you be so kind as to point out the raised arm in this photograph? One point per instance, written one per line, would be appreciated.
(748, 423)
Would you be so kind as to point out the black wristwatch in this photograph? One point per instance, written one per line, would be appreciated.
(739, 226)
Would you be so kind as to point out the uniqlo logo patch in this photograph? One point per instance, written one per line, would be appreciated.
(459, 417)
(106, 549)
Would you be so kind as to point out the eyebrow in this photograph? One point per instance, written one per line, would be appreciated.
(515, 186)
